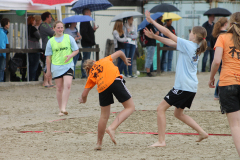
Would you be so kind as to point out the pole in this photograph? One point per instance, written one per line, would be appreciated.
(27, 47)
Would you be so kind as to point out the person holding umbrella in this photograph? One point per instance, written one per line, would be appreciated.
(70, 28)
(130, 47)
(88, 38)
(208, 25)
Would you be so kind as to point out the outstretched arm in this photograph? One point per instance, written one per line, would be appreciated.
(83, 98)
(120, 54)
(161, 28)
(166, 41)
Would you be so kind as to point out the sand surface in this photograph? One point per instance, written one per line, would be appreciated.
(30, 107)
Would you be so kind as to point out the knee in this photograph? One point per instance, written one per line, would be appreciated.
(59, 88)
(68, 86)
(160, 109)
(178, 115)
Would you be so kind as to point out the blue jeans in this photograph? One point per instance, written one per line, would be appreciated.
(33, 59)
(120, 64)
(166, 63)
(86, 55)
(2, 68)
(205, 57)
(130, 51)
(149, 57)
(75, 59)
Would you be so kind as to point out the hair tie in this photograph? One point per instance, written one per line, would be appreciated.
(204, 38)
(234, 23)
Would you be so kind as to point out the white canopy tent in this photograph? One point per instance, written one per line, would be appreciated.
(26, 5)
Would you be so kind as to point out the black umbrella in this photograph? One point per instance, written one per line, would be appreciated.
(218, 12)
(164, 7)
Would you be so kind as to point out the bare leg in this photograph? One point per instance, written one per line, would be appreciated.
(45, 80)
(67, 82)
(148, 70)
(59, 90)
(122, 116)
(178, 113)
(234, 123)
(105, 112)
(161, 121)
(50, 80)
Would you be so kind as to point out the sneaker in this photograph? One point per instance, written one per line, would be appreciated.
(134, 76)
(123, 76)
(149, 75)
(128, 76)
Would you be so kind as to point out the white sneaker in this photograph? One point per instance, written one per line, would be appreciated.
(128, 76)
(122, 75)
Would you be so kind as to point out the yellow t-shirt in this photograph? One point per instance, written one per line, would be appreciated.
(230, 73)
(103, 73)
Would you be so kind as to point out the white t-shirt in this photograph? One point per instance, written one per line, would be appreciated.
(186, 69)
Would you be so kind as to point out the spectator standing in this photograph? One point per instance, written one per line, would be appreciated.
(88, 38)
(46, 32)
(208, 25)
(219, 28)
(119, 40)
(5, 23)
(33, 43)
(167, 56)
(130, 47)
(150, 46)
(70, 28)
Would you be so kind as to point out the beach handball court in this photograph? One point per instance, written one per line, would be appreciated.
(32, 129)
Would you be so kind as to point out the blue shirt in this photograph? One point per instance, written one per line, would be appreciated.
(3, 40)
(58, 70)
(186, 70)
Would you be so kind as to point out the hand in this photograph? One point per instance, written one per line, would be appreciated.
(211, 83)
(81, 100)
(157, 33)
(148, 33)
(128, 62)
(48, 74)
(148, 18)
(128, 30)
(68, 58)
(95, 28)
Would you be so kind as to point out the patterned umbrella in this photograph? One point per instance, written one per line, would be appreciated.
(93, 5)
(52, 2)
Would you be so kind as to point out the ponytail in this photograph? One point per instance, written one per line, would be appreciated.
(202, 48)
(235, 29)
(217, 26)
(201, 35)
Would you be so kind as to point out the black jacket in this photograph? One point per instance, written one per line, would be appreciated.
(151, 42)
(87, 33)
(209, 29)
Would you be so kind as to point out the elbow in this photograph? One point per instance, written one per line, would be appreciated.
(216, 63)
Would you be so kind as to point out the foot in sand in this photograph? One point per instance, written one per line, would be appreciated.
(202, 137)
(98, 147)
(60, 114)
(158, 144)
(111, 134)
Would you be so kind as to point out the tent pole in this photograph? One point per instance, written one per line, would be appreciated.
(27, 47)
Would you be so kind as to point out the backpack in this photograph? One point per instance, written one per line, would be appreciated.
(142, 39)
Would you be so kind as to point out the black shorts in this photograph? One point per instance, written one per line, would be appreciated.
(179, 98)
(119, 90)
(229, 98)
(68, 73)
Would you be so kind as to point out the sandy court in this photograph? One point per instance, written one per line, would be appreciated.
(30, 107)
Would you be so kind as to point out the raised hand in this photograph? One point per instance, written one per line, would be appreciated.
(148, 18)
(148, 33)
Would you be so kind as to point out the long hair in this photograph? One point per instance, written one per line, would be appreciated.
(217, 26)
(87, 65)
(119, 27)
(201, 34)
(30, 20)
(235, 29)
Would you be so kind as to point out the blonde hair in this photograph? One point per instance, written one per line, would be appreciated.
(37, 18)
(201, 35)
(235, 29)
(217, 26)
(87, 65)
(119, 27)
(55, 24)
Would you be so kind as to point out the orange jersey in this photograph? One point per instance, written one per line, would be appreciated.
(230, 73)
(103, 73)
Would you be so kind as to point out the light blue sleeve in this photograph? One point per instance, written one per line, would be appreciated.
(183, 44)
(7, 40)
(48, 51)
(73, 43)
